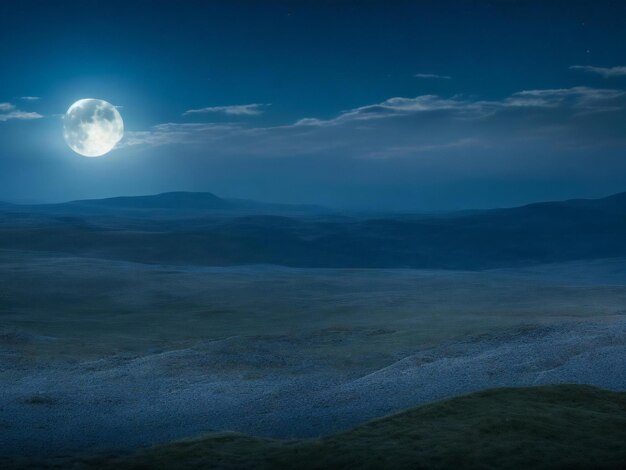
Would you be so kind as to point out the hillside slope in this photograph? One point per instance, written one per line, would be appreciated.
(549, 427)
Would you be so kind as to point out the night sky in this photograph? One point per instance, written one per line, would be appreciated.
(355, 105)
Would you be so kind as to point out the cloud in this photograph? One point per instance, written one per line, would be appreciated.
(536, 109)
(394, 107)
(19, 115)
(575, 98)
(30, 98)
(431, 129)
(178, 133)
(432, 75)
(253, 109)
(8, 111)
(578, 98)
(606, 72)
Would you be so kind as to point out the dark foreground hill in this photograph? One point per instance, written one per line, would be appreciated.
(549, 427)
(202, 229)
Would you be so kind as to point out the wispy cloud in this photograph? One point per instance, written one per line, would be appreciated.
(30, 98)
(432, 75)
(253, 109)
(8, 112)
(19, 115)
(576, 98)
(425, 128)
(178, 133)
(394, 107)
(606, 72)
(550, 106)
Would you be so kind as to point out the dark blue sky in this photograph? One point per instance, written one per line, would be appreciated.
(394, 105)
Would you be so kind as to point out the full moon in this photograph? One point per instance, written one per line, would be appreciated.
(92, 127)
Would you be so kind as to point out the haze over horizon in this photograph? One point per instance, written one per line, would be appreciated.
(191, 199)
(349, 106)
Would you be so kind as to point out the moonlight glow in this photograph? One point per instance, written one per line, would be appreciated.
(92, 127)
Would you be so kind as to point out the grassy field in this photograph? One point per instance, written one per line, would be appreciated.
(101, 354)
(549, 427)
(89, 308)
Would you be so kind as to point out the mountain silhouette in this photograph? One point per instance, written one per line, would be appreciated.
(203, 229)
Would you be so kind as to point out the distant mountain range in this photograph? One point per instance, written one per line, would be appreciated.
(187, 202)
(203, 229)
(173, 200)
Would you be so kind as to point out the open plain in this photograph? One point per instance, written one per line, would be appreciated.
(108, 354)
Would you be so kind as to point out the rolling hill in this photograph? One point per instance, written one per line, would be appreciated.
(548, 427)
(203, 229)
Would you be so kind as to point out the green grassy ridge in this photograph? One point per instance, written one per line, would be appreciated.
(556, 427)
